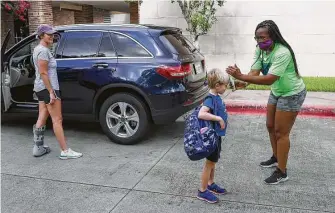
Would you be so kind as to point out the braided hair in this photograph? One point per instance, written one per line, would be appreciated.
(276, 37)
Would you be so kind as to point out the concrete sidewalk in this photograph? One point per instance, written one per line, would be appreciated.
(316, 103)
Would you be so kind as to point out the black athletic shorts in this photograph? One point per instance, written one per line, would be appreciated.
(44, 95)
(214, 157)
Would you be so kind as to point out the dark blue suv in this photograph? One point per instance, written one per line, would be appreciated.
(127, 76)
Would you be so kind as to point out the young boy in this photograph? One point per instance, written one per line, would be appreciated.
(217, 82)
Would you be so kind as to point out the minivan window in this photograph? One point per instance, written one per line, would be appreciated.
(106, 47)
(177, 43)
(126, 47)
(81, 44)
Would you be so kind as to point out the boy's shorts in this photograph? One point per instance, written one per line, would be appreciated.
(214, 157)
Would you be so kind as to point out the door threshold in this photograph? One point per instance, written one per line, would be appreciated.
(27, 105)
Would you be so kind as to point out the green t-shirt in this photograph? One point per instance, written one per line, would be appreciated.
(280, 63)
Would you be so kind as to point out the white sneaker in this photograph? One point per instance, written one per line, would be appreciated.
(70, 154)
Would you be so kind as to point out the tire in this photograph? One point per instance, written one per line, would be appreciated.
(120, 131)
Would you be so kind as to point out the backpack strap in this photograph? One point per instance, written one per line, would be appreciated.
(214, 108)
(214, 102)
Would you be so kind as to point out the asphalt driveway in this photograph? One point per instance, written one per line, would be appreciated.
(156, 176)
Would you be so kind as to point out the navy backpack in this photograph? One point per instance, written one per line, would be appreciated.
(199, 144)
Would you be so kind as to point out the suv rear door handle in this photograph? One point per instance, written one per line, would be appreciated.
(100, 65)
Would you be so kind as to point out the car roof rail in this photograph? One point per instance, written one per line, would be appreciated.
(102, 24)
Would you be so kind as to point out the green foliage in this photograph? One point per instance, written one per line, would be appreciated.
(316, 84)
(199, 15)
(129, 1)
(18, 8)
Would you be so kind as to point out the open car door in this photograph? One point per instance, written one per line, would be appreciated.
(6, 98)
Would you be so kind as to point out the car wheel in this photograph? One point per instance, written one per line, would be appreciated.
(124, 118)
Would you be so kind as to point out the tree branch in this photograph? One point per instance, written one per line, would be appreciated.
(199, 15)
(183, 7)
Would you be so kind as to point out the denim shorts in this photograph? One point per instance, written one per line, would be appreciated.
(289, 103)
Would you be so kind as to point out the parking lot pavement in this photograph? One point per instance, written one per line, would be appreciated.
(156, 176)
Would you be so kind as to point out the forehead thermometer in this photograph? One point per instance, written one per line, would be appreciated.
(231, 83)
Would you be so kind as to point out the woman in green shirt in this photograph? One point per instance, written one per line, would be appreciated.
(275, 59)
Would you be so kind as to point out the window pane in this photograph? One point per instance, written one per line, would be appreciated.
(106, 47)
(22, 57)
(26, 50)
(81, 44)
(57, 49)
(177, 43)
(126, 47)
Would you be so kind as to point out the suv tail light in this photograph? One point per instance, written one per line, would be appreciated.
(177, 72)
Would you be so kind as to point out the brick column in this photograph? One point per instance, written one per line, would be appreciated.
(63, 17)
(40, 12)
(85, 16)
(99, 15)
(7, 23)
(134, 12)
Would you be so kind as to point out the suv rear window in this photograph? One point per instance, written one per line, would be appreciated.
(127, 47)
(177, 43)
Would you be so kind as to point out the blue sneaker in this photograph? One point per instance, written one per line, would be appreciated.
(207, 196)
(216, 189)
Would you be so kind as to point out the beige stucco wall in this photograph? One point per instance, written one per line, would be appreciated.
(308, 26)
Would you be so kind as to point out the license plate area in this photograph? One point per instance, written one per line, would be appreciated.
(197, 68)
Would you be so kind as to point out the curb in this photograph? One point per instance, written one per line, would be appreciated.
(322, 111)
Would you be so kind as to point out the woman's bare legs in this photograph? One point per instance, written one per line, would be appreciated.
(55, 111)
(43, 115)
(270, 124)
(283, 125)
